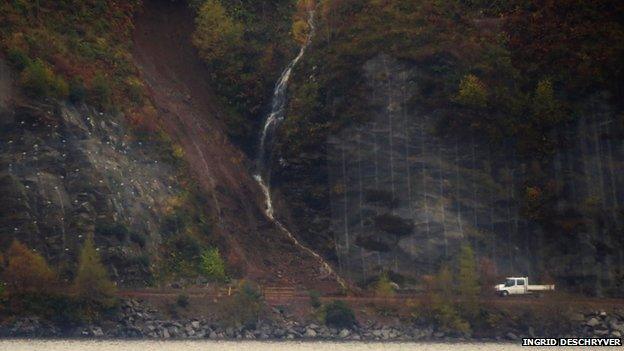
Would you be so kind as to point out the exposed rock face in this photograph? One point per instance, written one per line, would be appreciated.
(67, 172)
(404, 198)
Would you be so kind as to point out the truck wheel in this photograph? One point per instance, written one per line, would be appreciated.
(504, 293)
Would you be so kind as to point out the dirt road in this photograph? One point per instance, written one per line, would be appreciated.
(288, 296)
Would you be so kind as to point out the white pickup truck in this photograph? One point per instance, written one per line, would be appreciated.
(520, 286)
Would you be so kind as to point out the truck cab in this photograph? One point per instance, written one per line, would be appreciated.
(513, 286)
(520, 286)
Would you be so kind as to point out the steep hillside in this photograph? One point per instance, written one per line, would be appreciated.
(417, 127)
(70, 164)
(179, 84)
(68, 171)
(137, 158)
(411, 129)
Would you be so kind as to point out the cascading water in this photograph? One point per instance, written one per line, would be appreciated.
(263, 171)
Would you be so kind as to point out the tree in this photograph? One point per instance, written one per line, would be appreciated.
(300, 30)
(339, 315)
(244, 308)
(27, 272)
(92, 284)
(547, 111)
(441, 307)
(472, 92)
(38, 80)
(101, 92)
(211, 264)
(384, 286)
(443, 283)
(468, 280)
(217, 34)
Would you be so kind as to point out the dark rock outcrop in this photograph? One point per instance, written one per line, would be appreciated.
(70, 171)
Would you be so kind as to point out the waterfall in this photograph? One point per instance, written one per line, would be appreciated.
(263, 170)
(278, 104)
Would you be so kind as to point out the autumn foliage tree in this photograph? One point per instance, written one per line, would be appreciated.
(472, 92)
(468, 279)
(217, 34)
(92, 285)
(384, 286)
(441, 307)
(27, 272)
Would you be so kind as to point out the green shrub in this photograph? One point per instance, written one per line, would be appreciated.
(53, 306)
(339, 315)
(384, 286)
(472, 92)
(138, 238)
(447, 317)
(134, 88)
(187, 246)
(393, 224)
(140, 260)
(38, 80)
(315, 298)
(18, 59)
(211, 265)
(101, 92)
(243, 309)
(112, 229)
(77, 91)
(182, 301)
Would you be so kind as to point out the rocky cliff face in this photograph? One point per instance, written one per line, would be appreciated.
(404, 198)
(70, 171)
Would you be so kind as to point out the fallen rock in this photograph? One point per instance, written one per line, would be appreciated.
(593, 322)
(344, 333)
(310, 333)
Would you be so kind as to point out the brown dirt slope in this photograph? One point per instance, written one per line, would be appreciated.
(189, 113)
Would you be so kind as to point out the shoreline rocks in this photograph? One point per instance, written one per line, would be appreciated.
(137, 321)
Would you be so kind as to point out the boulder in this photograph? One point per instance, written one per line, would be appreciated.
(511, 336)
(344, 333)
(593, 322)
(310, 333)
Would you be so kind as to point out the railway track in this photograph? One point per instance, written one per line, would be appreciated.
(289, 295)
